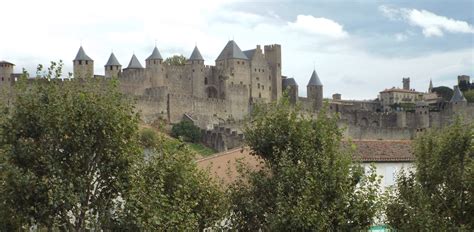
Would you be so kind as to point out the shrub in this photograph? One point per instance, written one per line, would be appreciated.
(187, 131)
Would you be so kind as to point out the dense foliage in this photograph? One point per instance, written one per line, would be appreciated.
(71, 160)
(175, 60)
(469, 95)
(308, 181)
(187, 131)
(439, 196)
(445, 92)
(169, 193)
(67, 149)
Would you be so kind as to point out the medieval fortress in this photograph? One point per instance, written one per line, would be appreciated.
(217, 98)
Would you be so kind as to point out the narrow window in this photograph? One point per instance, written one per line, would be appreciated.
(260, 95)
(80, 62)
(258, 85)
(263, 86)
(87, 62)
(205, 81)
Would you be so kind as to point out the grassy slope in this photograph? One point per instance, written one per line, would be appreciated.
(200, 149)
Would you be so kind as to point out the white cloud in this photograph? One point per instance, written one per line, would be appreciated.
(431, 24)
(400, 37)
(320, 26)
(434, 25)
(341, 61)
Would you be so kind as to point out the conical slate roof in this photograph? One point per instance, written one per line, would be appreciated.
(81, 55)
(155, 55)
(134, 63)
(289, 82)
(249, 53)
(112, 61)
(232, 51)
(314, 81)
(196, 55)
(457, 95)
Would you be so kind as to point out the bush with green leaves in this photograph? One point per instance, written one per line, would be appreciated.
(170, 193)
(308, 181)
(148, 137)
(71, 160)
(67, 149)
(439, 196)
(187, 131)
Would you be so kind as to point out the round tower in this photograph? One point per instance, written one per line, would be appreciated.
(6, 71)
(290, 86)
(154, 67)
(315, 91)
(113, 68)
(195, 65)
(83, 65)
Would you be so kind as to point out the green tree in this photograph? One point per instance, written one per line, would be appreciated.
(176, 60)
(308, 182)
(445, 92)
(171, 194)
(67, 149)
(440, 195)
(187, 130)
(469, 95)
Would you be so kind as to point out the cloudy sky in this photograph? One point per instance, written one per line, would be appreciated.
(358, 47)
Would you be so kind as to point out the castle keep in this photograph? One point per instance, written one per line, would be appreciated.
(217, 97)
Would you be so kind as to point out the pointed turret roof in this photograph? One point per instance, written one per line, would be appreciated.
(112, 61)
(81, 55)
(249, 53)
(289, 82)
(155, 55)
(457, 95)
(314, 80)
(232, 51)
(134, 63)
(196, 55)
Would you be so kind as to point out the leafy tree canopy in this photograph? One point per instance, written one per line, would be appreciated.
(176, 60)
(187, 130)
(445, 92)
(169, 193)
(439, 196)
(308, 181)
(469, 95)
(67, 149)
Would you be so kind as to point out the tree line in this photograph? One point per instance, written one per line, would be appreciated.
(72, 159)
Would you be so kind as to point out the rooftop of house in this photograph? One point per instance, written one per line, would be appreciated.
(398, 90)
(223, 165)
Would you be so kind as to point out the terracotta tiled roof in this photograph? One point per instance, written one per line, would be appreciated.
(222, 165)
(384, 150)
